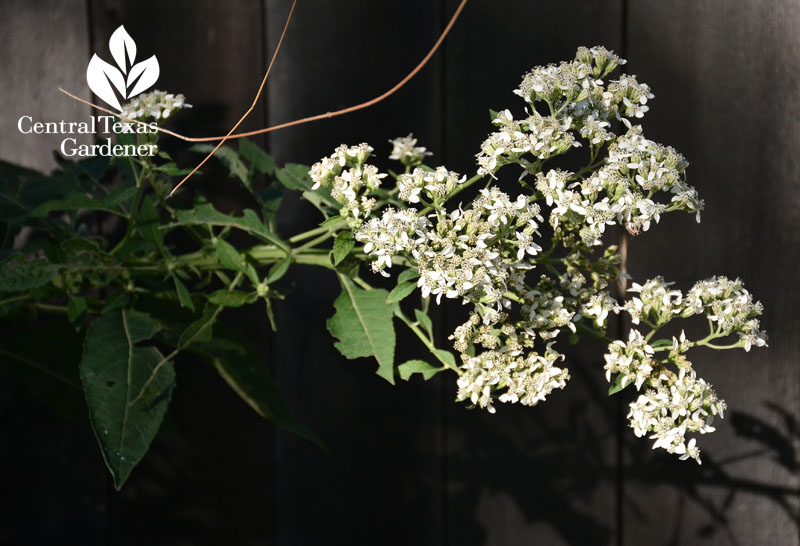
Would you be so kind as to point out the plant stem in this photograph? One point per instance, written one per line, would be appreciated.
(455, 192)
(134, 208)
(414, 327)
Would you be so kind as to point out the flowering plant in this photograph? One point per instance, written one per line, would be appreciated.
(532, 264)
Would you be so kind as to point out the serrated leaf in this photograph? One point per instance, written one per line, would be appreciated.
(19, 275)
(171, 169)
(72, 201)
(121, 194)
(401, 291)
(294, 177)
(228, 256)
(417, 366)
(113, 372)
(363, 325)
(206, 214)
(228, 157)
(260, 161)
(424, 321)
(231, 298)
(342, 246)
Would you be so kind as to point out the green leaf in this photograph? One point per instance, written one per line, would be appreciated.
(113, 371)
(342, 246)
(240, 366)
(206, 214)
(19, 275)
(184, 297)
(363, 325)
(48, 369)
(227, 156)
(271, 198)
(231, 298)
(148, 223)
(278, 270)
(200, 331)
(618, 385)
(417, 366)
(295, 177)
(76, 311)
(171, 169)
(121, 194)
(72, 201)
(228, 256)
(493, 114)
(260, 161)
(401, 291)
(424, 321)
(448, 357)
(407, 275)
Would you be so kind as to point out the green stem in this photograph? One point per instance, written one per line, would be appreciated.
(591, 331)
(330, 228)
(134, 208)
(163, 362)
(414, 327)
(455, 192)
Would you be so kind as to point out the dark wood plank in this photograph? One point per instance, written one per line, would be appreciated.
(542, 475)
(381, 481)
(58, 33)
(725, 76)
(50, 465)
(206, 479)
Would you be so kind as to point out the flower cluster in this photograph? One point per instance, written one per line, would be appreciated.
(348, 177)
(728, 304)
(437, 185)
(632, 360)
(529, 263)
(406, 151)
(676, 405)
(524, 379)
(155, 104)
(542, 137)
(452, 250)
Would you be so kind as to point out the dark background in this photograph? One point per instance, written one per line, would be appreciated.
(407, 466)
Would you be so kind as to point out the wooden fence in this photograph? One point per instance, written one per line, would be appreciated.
(406, 464)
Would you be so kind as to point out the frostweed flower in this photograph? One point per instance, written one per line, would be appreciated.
(632, 360)
(730, 306)
(541, 137)
(348, 177)
(675, 406)
(406, 151)
(437, 184)
(656, 302)
(524, 379)
(154, 104)
(527, 287)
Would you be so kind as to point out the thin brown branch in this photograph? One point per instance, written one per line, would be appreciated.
(249, 110)
(326, 115)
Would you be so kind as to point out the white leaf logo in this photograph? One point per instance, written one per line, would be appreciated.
(127, 79)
